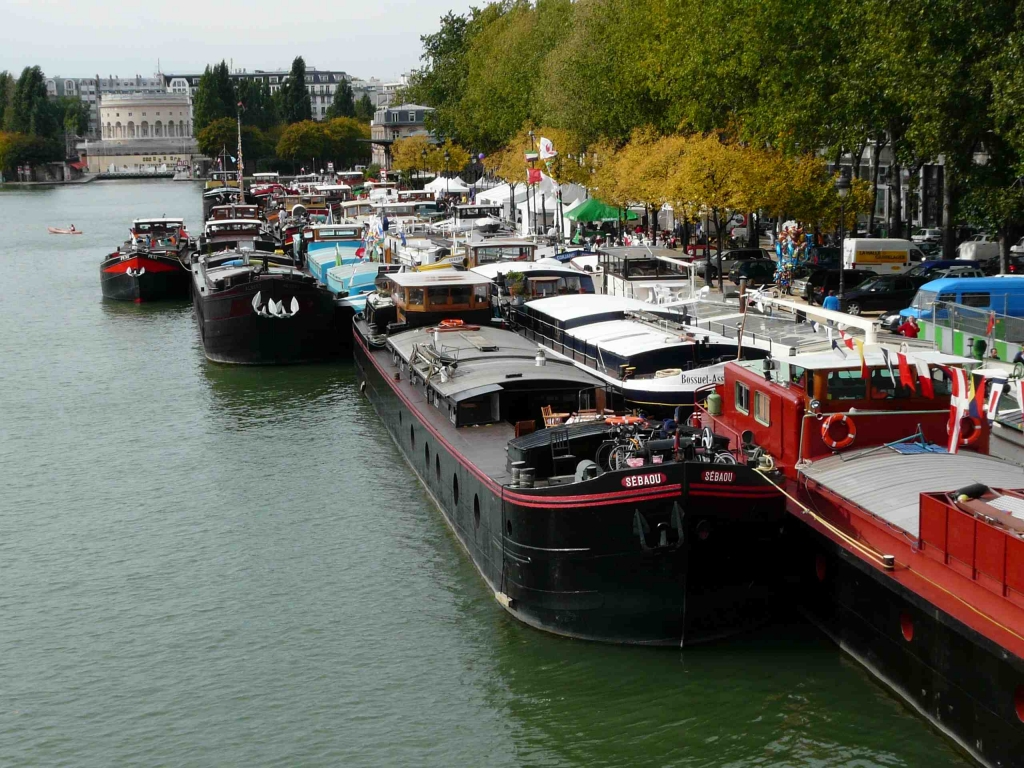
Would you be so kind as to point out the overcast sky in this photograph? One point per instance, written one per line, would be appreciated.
(79, 38)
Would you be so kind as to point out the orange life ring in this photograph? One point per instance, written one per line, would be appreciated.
(830, 440)
(970, 435)
(619, 420)
(451, 323)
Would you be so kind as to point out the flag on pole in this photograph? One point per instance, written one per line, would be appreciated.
(547, 149)
(533, 176)
(991, 323)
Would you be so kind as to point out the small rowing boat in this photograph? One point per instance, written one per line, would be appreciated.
(62, 231)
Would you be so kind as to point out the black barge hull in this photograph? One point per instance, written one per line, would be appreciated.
(234, 332)
(964, 684)
(144, 279)
(592, 564)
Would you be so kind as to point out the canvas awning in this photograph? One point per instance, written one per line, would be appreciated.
(593, 210)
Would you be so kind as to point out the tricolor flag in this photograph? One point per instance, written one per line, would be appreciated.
(995, 392)
(864, 373)
(958, 405)
(835, 344)
(815, 326)
(847, 338)
(906, 377)
(924, 379)
(888, 364)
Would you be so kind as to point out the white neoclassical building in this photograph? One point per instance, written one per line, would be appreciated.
(146, 116)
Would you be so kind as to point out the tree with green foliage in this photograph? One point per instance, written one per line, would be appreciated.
(303, 142)
(343, 104)
(222, 134)
(347, 141)
(72, 115)
(258, 108)
(6, 93)
(364, 109)
(30, 110)
(20, 148)
(295, 102)
(215, 97)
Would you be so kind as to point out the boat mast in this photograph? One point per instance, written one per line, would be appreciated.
(241, 164)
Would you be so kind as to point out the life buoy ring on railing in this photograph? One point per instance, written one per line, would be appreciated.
(830, 439)
(620, 420)
(970, 431)
(451, 323)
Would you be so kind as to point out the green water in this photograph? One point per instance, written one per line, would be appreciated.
(208, 566)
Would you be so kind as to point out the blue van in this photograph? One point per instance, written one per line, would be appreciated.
(1002, 294)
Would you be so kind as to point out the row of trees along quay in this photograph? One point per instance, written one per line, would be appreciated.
(278, 130)
(34, 128)
(747, 104)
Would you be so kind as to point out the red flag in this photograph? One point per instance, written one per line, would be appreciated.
(847, 339)
(991, 323)
(906, 377)
(924, 379)
(958, 405)
(978, 381)
(533, 176)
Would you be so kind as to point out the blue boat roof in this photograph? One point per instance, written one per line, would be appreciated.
(996, 283)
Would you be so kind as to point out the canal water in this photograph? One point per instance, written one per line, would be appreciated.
(203, 565)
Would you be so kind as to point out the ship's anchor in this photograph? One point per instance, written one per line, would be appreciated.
(642, 528)
(135, 272)
(274, 308)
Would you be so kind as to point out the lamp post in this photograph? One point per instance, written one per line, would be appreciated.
(531, 211)
(423, 162)
(447, 183)
(842, 189)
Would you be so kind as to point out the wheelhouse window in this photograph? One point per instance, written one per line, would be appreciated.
(742, 398)
(845, 385)
(762, 409)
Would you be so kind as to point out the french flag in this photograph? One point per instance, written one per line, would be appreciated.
(958, 405)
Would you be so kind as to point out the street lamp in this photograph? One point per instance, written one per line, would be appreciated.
(842, 189)
(447, 182)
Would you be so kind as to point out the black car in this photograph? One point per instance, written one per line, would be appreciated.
(825, 280)
(730, 258)
(887, 293)
(757, 272)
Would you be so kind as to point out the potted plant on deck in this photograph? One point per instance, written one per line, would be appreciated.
(515, 282)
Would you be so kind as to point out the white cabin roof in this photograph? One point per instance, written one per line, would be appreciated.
(445, 277)
(572, 306)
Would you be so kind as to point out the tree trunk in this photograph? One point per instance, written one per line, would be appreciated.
(1005, 242)
(876, 150)
(753, 241)
(721, 245)
(856, 158)
(896, 201)
(948, 215)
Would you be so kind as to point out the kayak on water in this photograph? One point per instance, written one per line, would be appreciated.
(63, 231)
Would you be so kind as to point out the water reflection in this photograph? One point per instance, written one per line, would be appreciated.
(243, 396)
(782, 696)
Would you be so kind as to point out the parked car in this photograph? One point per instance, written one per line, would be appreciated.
(1018, 247)
(699, 252)
(828, 280)
(887, 292)
(930, 250)
(824, 256)
(757, 271)
(978, 248)
(801, 274)
(932, 266)
(1014, 265)
(730, 258)
(927, 236)
(957, 271)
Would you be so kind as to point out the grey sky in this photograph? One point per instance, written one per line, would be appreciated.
(366, 38)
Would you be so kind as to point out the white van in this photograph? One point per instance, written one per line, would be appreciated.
(882, 256)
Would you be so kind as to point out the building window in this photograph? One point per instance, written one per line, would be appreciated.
(762, 409)
(742, 398)
(273, 78)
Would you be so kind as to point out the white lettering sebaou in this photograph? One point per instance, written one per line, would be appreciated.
(643, 481)
(718, 476)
